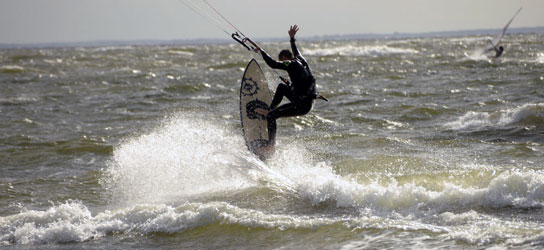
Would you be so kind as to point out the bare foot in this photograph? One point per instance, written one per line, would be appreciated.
(261, 111)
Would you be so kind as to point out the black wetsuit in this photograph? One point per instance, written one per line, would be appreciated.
(301, 92)
(498, 52)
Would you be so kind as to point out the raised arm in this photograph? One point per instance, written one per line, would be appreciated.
(292, 32)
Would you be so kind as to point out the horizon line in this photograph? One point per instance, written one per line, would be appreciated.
(200, 41)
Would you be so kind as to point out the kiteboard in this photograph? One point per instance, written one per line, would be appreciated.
(254, 93)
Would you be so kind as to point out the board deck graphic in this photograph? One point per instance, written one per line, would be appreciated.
(254, 93)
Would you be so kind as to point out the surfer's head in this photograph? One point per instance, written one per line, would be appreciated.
(285, 55)
(501, 48)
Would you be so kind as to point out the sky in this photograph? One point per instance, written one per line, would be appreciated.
(51, 21)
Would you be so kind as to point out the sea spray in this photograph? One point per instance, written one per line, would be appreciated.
(185, 155)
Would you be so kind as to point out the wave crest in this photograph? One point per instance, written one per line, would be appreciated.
(350, 50)
(528, 114)
(72, 221)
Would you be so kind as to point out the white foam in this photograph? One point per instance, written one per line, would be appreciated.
(410, 206)
(381, 206)
(11, 69)
(64, 223)
(540, 58)
(18, 100)
(185, 156)
(466, 39)
(400, 206)
(320, 185)
(181, 52)
(72, 221)
(351, 50)
(478, 120)
(481, 229)
(477, 55)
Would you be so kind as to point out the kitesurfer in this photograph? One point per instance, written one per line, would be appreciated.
(300, 92)
(498, 51)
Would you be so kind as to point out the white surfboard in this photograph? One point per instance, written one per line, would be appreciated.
(254, 93)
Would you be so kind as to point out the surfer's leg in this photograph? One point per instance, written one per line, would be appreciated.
(286, 110)
(271, 125)
(281, 91)
(291, 109)
(282, 111)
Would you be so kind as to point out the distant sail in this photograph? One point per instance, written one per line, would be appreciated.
(496, 41)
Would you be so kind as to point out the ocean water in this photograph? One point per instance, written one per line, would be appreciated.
(425, 143)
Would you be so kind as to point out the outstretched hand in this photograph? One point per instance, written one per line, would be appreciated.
(293, 30)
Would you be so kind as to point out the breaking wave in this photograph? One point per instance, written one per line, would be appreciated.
(528, 114)
(381, 207)
(351, 50)
(159, 183)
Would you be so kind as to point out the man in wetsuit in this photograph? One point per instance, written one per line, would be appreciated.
(498, 51)
(300, 92)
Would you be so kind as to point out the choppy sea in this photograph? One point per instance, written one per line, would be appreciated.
(424, 143)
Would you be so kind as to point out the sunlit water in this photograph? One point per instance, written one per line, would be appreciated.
(425, 143)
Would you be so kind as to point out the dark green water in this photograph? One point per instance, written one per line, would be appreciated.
(423, 144)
